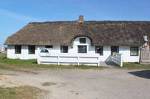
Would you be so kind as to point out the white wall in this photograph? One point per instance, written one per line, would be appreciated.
(125, 52)
(24, 53)
(73, 50)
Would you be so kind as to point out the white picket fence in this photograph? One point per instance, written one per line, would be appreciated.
(68, 59)
(117, 59)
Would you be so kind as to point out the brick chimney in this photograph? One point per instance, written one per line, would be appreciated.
(81, 19)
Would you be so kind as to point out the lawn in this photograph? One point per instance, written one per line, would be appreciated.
(135, 66)
(24, 92)
(15, 64)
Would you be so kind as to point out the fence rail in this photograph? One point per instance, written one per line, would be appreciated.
(68, 59)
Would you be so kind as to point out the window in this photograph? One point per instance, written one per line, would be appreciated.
(99, 49)
(82, 40)
(64, 49)
(114, 50)
(134, 51)
(18, 49)
(82, 49)
(49, 46)
(31, 49)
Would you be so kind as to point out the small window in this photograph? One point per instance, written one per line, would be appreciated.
(114, 50)
(31, 49)
(134, 51)
(18, 49)
(49, 46)
(99, 49)
(64, 49)
(82, 49)
(82, 40)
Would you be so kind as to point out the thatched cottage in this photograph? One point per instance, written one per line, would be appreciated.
(84, 41)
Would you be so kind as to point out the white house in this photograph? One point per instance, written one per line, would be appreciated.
(2, 49)
(79, 42)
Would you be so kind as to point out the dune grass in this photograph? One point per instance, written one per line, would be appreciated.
(24, 92)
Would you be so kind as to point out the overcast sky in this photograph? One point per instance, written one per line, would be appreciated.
(14, 14)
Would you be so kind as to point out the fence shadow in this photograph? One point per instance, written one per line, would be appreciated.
(143, 74)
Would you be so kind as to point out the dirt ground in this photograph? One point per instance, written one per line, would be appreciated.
(83, 84)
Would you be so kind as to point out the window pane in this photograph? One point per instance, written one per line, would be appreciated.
(64, 49)
(31, 49)
(82, 49)
(18, 49)
(134, 51)
(99, 49)
(82, 40)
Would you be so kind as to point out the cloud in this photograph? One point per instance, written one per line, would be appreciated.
(16, 16)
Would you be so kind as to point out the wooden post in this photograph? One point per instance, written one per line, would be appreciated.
(98, 61)
(78, 60)
(58, 63)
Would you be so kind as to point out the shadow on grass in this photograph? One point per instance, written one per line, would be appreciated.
(34, 62)
(144, 74)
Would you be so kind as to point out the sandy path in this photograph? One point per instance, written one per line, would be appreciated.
(82, 84)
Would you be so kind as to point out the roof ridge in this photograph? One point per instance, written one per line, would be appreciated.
(52, 22)
(91, 21)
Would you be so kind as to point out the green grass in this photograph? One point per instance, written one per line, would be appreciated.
(24, 92)
(135, 66)
(3, 59)
(15, 64)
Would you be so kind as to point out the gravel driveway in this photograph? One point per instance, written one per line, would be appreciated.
(83, 84)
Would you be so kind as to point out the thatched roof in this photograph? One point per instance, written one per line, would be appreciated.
(128, 33)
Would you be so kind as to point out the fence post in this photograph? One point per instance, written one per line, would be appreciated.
(78, 60)
(98, 61)
(121, 65)
(58, 63)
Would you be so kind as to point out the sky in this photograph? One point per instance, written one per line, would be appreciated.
(15, 14)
